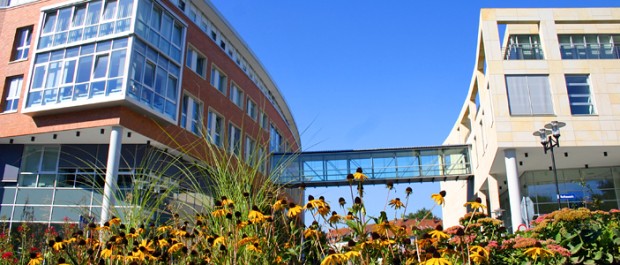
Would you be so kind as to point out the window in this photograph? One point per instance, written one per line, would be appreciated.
(196, 62)
(579, 96)
(218, 80)
(12, 89)
(215, 126)
(236, 95)
(39, 166)
(529, 95)
(523, 47)
(275, 140)
(234, 139)
(251, 109)
(591, 46)
(250, 148)
(191, 115)
(22, 43)
(264, 120)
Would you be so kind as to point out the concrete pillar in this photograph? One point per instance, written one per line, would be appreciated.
(493, 193)
(111, 173)
(514, 193)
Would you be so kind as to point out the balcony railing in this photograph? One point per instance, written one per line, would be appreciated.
(590, 51)
(523, 52)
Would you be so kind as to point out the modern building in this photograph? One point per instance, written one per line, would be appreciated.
(535, 66)
(89, 87)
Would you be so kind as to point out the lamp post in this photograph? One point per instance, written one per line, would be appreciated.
(550, 138)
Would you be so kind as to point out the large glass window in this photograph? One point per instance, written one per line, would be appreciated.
(85, 22)
(523, 47)
(78, 73)
(191, 114)
(234, 139)
(215, 128)
(589, 46)
(275, 140)
(154, 80)
(252, 111)
(529, 95)
(39, 166)
(158, 27)
(579, 96)
(12, 89)
(22, 43)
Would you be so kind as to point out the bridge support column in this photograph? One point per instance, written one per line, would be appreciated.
(514, 192)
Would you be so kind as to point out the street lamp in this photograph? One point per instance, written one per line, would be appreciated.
(550, 138)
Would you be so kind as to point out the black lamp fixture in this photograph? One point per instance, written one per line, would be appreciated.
(550, 138)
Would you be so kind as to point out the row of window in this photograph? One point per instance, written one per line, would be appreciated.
(572, 46)
(531, 95)
(192, 120)
(201, 20)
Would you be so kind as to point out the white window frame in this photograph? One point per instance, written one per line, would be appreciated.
(236, 95)
(13, 87)
(264, 120)
(251, 109)
(191, 61)
(249, 149)
(23, 37)
(215, 136)
(218, 79)
(189, 121)
(234, 139)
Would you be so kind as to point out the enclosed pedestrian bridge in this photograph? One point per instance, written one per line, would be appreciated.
(399, 165)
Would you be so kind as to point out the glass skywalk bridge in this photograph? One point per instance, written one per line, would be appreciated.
(330, 168)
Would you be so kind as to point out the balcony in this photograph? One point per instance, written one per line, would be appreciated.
(590, 51)
(523, 52)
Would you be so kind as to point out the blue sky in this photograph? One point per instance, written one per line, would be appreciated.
(370, 74)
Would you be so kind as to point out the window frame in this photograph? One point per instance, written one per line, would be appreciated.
(193, 62)
(21, 43)
(251, 109)
(12, 93)
(188, 120)
(234, 139)
(236, 95)
(516, 98)
(215, 136)
(590, 99)
(219, 81)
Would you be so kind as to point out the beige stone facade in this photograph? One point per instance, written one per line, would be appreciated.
(534, 66)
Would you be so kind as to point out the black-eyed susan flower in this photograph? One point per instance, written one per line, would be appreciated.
(35, 259)
(359, 175)
(323, 210)
(479, 254)
(255, 216)
(335, 218)
(293, 210)
(115, 221)
(247, 240)
(438, 233)
(312, 233)
(439, 198)
(334, 259)
(220, 240)
(476, 204)
(226, 201)
(349, 216)
(62, 261)
(219, 212)
(389, 185)
(176, 247)
(408, 191)
(106, 252)
(396, 203)
(254, 248)
(278, 205)
(437, 261)
(537, 251)
(163, 229)
(350, 178)
(342, 202)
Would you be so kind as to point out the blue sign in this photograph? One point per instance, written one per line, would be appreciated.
(567, 196)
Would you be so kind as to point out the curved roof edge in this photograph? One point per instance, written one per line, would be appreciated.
(231, 35)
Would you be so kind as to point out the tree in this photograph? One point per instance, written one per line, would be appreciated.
(422, 213)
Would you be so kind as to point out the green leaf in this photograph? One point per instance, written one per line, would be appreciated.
(589, 262)
(576, 248)
(610, 258)
(558, 237)
(598, 255)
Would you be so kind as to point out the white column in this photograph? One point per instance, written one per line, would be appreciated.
(111, 173)
(493, 195)
(514, 193)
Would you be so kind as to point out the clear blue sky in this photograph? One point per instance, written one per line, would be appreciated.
(371, 74)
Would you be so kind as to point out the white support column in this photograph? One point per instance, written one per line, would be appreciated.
(514, 193)
(493, 195)
(111, 173)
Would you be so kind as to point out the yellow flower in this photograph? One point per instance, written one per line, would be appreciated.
(219, 212)
(226, 201)
(278, 205)
(350, 216)
(359, 175)
(537, 251)
(106, 252)
(163, 229)
(115, 220)
(353, 254)
(35, 259)
(439, 197)
(219, 240)
(479, 254)
(254, 248)
(437, 261)
(439, 235)
(476, 204)
(247, 240)
(293, 210)
(163, 243)
(396, 203)
(176, 247)
(334, 259)
(58, 246)
(255, 216)
(335, 218)
(312, 233)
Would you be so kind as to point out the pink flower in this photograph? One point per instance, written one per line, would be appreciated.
(559, 249)
(492, 244)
